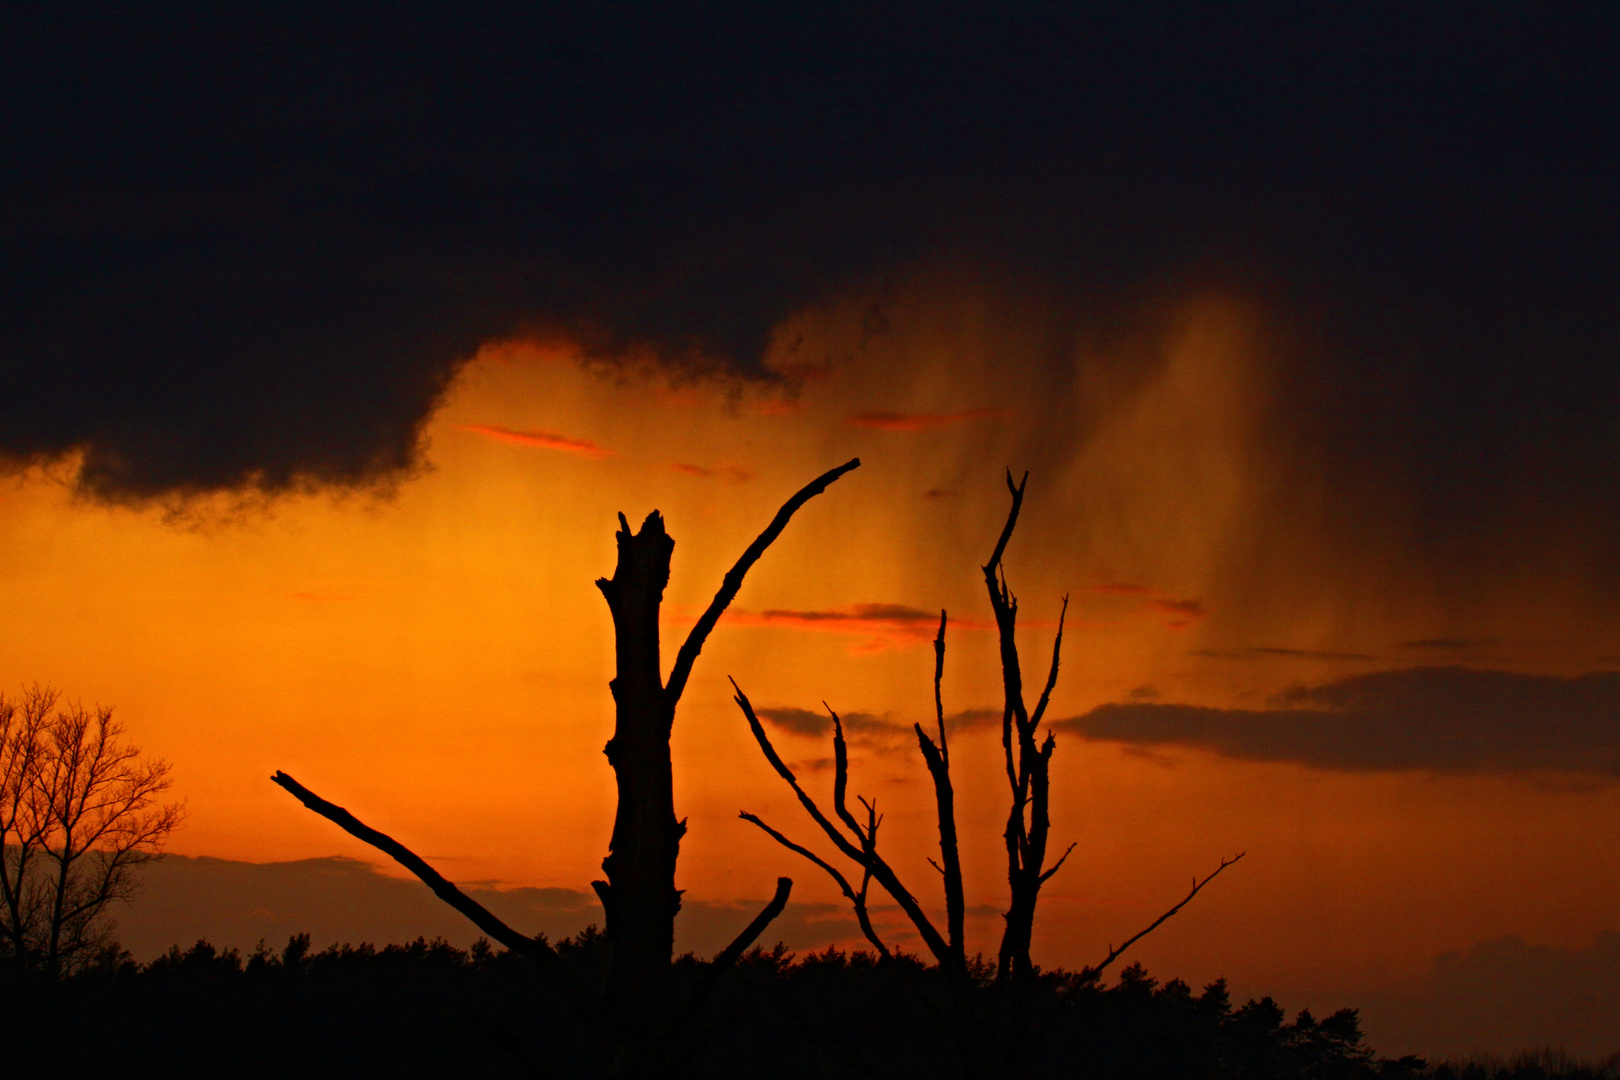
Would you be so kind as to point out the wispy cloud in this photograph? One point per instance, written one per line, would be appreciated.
(1250, 652)
(545, 440)
(1451, 644)
(898, 421)
(735, 474)
(1179, 612)
(1121, 588)
(880, 626)
(871, 730)
(878, 732)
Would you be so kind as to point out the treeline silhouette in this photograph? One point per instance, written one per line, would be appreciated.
(428, 1008)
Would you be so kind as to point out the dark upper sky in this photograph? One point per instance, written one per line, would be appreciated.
(247, 245)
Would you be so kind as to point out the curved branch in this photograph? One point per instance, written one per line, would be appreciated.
(535, 949)
(682, 1017)
(734, 579)
(856, 899)
(866, 856)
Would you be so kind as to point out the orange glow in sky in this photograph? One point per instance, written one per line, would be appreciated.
(436, 658)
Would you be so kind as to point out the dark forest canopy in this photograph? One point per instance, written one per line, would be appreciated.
(249, 245)
(429, 1009)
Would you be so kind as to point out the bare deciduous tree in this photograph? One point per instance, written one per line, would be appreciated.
(642, 1032)
(991, 1025)
(79, 815)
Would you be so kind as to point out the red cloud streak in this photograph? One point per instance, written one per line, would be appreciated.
(1182, 613)
(545, 440)
(896, 421)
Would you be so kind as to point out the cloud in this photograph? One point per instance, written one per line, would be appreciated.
(870, 731)
(1442, 719)
(878, 732)
(1505, 996)
(250, 249)
(1182, 612)
(1249, 652)
(1450, 643)
(728, 472)
(545, 440)
(1121, 588)
(234, 904)
(972, 719)
(895, 421)
(880, 626)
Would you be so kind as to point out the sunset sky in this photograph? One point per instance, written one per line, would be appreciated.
(332, 345)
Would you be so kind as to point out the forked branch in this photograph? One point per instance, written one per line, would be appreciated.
(857, 899)
(864, 855)
(938, 760)
(734, 578)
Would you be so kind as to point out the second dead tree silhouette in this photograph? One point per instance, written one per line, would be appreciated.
(641, 1030)
(992, 1025)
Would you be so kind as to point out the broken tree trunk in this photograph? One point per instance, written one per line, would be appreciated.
(640, 1030)
(639, 897)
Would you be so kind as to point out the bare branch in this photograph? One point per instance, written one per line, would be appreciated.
(1057, 865)
(723, 961)
(849, 849)
(865, 856)
(939, 770)
(1012, 520)
(534, 949)
(939, 701)
(841, 775)
(1052, 673)
(734, 578)
(1114, 954)
(729, 955)
(858, 899)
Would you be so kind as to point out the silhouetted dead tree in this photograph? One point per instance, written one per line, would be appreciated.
(642, 1032)
(1028, 766)
(990, 1024)
(79, 816)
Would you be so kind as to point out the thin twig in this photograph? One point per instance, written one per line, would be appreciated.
(856, 899)
(864, 856)
(1114, 954)
(1057, 865)
(734, 578)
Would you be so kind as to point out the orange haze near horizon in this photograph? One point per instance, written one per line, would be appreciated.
(436, 658)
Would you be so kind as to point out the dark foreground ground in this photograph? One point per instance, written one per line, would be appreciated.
(430, 1010)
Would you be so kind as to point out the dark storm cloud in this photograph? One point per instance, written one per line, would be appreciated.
(249, 244)
(1445, 719)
